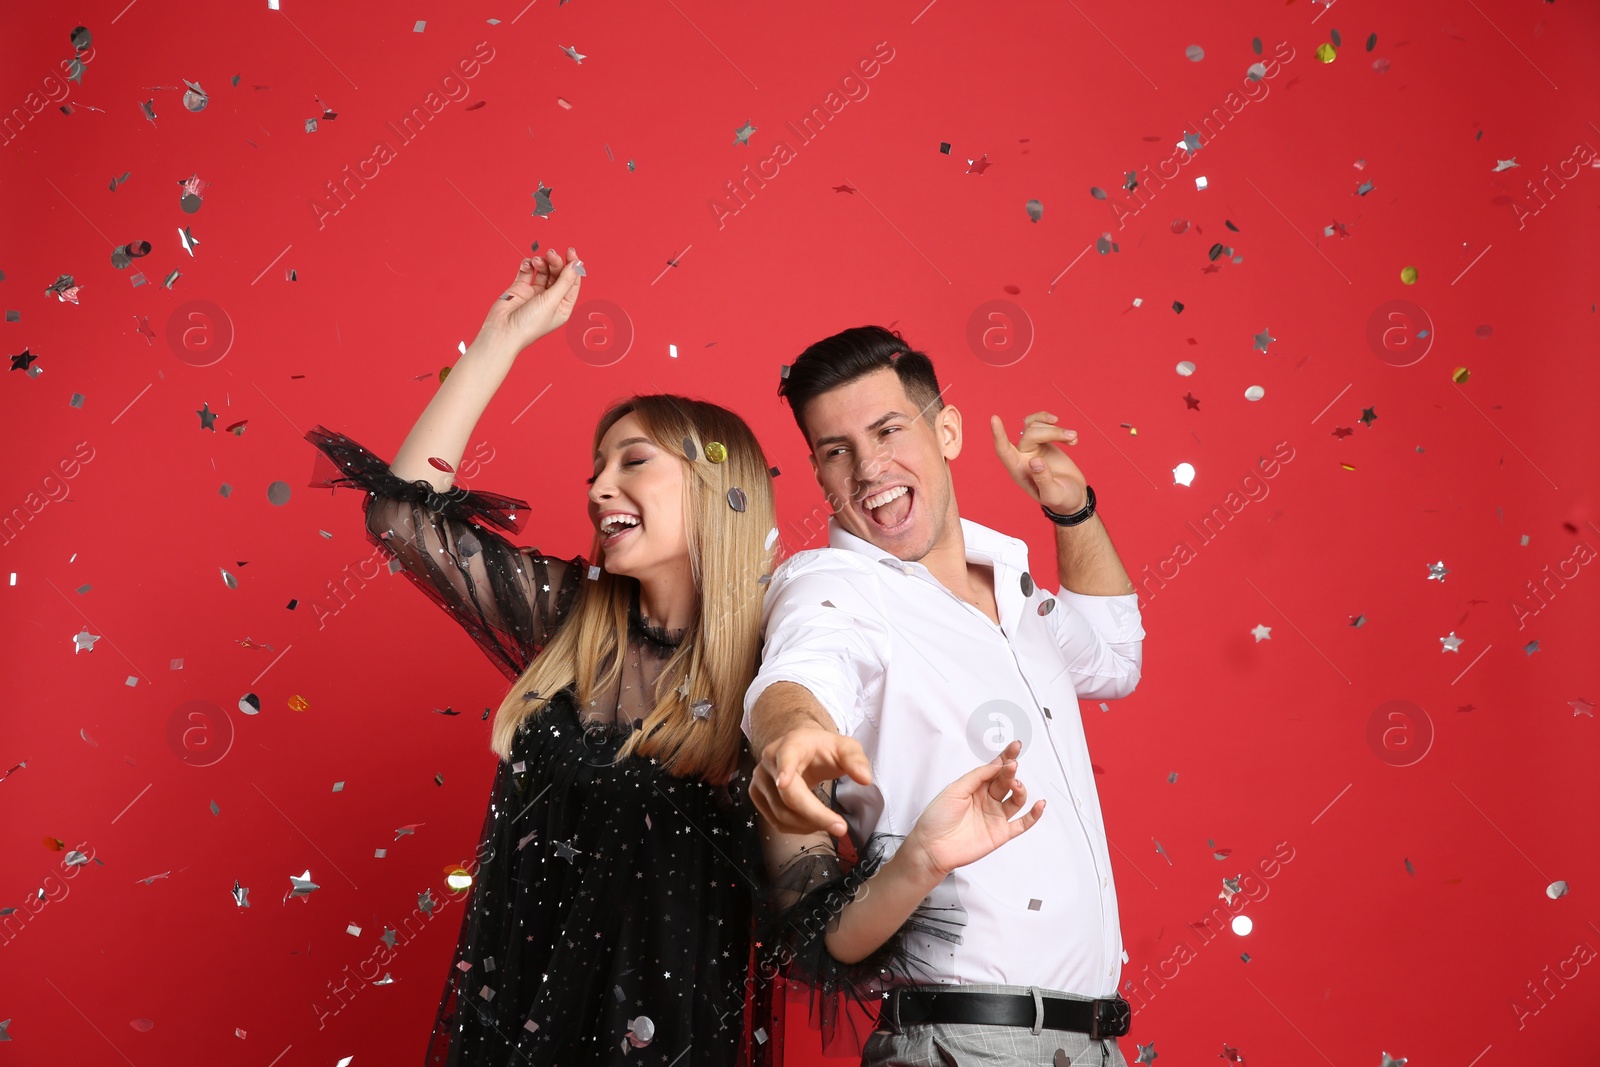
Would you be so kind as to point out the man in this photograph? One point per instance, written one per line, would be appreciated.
(915, 641)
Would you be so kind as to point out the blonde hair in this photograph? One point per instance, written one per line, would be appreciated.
(728, 556)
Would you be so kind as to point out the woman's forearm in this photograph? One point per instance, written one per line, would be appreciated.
(445, 425)
(881, 906)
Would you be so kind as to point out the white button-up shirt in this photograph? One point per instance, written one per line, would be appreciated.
(931, 688)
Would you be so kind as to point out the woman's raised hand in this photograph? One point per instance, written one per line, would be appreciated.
(973, 816)
(539, 300)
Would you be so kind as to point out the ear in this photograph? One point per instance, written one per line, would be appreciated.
(949, 429)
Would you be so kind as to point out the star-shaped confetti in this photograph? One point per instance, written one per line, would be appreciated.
(1451, 643)
(1368, 416)
(83, 641)
(1436, 571)
(979, 165)
(1263, 339)
(541, 201)
(1148, 1053)
(1230, 886)
(388, 937)
(742, 134)
(1230, 1054)
(565, 850)
(301, 886)
(142, 325)
(241, 894)
(1581, 707)
(1358, 620)
(1192, 402)
(1530, 648)
(844, 188)
(21, 360)
(189, 240)
(1390, 1061)
(425, 901)
(1341, 432)
(207, 417)
(573, 53)
(1261, 633)
(1505, 164)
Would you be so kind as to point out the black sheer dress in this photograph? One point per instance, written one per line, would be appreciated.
(610, 917)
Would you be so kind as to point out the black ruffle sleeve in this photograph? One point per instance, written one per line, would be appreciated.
(804, 899)
(510, 599)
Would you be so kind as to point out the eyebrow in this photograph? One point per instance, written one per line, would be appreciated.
(824, 442)
(628, 441)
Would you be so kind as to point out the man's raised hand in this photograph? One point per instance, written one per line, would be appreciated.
(1040, 465)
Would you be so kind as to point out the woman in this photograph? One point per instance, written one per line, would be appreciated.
(610, 915)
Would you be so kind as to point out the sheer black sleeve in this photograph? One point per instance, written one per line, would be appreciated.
(805, 895)
(510, 599)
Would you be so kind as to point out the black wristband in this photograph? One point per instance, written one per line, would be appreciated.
(1075, 518)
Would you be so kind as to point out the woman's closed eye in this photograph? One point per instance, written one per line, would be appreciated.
(629, 463)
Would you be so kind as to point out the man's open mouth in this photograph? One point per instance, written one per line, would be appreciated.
(889, 508)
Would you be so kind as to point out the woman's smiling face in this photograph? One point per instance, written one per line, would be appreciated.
(636, 502)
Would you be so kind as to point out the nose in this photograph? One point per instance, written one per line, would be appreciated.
(602, 490)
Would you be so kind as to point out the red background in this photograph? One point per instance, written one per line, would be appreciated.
(1484, 787)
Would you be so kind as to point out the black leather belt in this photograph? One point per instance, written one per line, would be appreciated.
(1097, 1018)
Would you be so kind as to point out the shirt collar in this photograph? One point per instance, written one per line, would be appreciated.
(983, 545)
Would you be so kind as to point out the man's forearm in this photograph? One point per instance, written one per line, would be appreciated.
(782, 707)
(1087, 563)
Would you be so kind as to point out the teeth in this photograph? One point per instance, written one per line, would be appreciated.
(872, 503)
(616, 522)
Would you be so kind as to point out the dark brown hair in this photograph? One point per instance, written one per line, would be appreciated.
(852, 354)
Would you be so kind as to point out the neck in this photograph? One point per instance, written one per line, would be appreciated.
(947, 559)
(668, 600)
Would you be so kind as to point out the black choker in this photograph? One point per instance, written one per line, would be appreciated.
(663, 639)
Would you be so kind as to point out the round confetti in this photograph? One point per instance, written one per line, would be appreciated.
(1483, 331)
(772, 535)
(278, 493)
(736, 497)
(190, 203)
(1097, 192)
(195, 100)
(1460, 375)
(1381, 66)
(1186, 368)
(1194, 53)
(1035, 210)
(1408, 275)
(689, 450)
(444, 372)
(440, 464)
(1255, 392)
(81, 37)
(1027, 584)
(1014, 290)
(1555, 890)
(250, 704)
(641, 1031)
(1242, 925)
(1326, 52)
(1180, 225)
(717, 452)
(1047, 606)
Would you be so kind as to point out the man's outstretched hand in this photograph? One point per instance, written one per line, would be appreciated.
(792, 766)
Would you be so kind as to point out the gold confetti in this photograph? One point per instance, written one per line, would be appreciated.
(1348, 466)
(298, 703)
(1460, 374)
(1326, 52)
(1408, 275)
(716, 451)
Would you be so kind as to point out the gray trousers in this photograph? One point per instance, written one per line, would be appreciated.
(965, 1045)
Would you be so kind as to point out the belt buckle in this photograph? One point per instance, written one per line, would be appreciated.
(1110, 1018)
